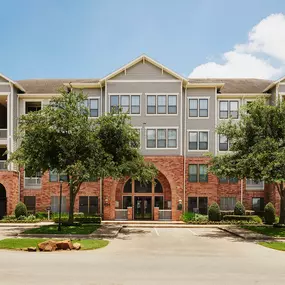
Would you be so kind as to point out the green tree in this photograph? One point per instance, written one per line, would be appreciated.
(62, 137)
(257, 147)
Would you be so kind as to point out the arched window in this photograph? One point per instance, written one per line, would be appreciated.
(128, 186)
(158, 187)
(2, 191)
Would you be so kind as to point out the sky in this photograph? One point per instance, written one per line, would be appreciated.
(92, 38)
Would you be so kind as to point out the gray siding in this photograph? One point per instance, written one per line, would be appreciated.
(143, 71)
(273, 98)
(201, 123)
(282, 87)
(148, 121)
(5, 88)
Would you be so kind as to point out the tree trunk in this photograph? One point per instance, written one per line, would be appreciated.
(282, 206)
(71, 204)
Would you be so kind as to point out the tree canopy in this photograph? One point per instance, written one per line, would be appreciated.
(63, 137)
(257, 146)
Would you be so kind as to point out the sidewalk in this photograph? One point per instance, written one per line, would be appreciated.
(246, 234)
(25, 225)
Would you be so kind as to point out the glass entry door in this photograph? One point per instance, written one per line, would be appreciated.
(143, 208)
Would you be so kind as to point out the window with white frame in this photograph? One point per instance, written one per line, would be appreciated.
(92, 105)
(223, 143)
(32, 179)
(161, 138)
(32, 106)
(161, 104)
(229, 109)
(227, 203)
(128, 103)
(252, 184)
(199, 107)
(198, 140)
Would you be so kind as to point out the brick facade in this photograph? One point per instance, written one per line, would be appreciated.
(170, 176)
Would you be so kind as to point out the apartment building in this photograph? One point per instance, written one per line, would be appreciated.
(176, 118)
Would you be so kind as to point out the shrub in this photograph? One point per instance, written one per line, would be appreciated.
(239, 209)
(214, 212)
(31, 218)
(22, 218)
(9, 218)
(42, 215)
(269, 214)
(21, 210)
(201, 218)
(188, 216)
(84, 220)
(249, 218)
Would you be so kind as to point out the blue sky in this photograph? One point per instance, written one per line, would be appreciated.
(69, 38)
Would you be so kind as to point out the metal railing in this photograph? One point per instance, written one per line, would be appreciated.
(165, 215)
(3, 165)
(3, 133)
(33, 182)
(121, 214)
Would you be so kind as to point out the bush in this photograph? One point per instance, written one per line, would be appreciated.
(253, 219)
(188, 216)
(239, 209)
(31, 218)
(201, 218)
(214, 212)
(42, 215)
(22, 218)
(83, 220)
(269, 214)
(21, 210)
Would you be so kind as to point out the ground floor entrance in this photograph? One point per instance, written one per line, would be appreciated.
(143, 208)
(3, 202)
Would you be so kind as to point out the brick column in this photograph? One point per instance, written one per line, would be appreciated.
(177, 217)
(130, 213)
(156, 213)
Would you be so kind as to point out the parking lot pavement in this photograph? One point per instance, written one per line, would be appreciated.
(152, 256)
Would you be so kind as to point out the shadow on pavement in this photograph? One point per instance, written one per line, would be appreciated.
(126, 233)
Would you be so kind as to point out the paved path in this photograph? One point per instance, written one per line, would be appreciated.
(152, 256)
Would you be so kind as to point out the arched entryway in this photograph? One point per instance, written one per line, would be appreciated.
(3, 202)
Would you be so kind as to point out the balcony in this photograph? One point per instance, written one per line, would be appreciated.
(3, 120)
(3, 165)
(3, 134)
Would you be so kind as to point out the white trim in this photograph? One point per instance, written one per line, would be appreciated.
(44, 96)
(218, 146)
(5, 93)
(8, 128)
(229, 100)
(156, 105)
(5, 83)
(181, 114)
(162, 128)
(13, 82)
(99, 111)
(145, 80)
(32, 100)
(271, 85)
(106, 98)
(205, 85)
(244, 94)
(198, 98)
(282, 83)
(198, 131)
(130, 101)
(282, 93)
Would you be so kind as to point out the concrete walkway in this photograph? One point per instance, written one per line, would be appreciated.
(246, 234)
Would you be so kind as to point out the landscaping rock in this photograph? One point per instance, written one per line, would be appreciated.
(31, 248)
(49, 245)
(64, 245)
(76, 246)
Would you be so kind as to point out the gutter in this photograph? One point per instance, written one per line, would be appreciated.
(184, 151)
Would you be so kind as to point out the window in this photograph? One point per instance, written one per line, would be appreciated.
(114, 99)
(161, 104)
(198, 108)
(203, 173)
(158, 202)
(227, 203)
(135, 106)
(128, 186)
(224, 180)
(32, 180)
(223, 143)
(143, 188)
(198, 140)
(198, 205)
(252, 184)
(54, 176)
(128, 103)
(88, 205)
(233, 180)
(55, 204)
(258, 204)
(229, 109)
(125, 103)
(198, 173)
(93, 106)
(161, 138)
(127, 202)
(157, 187)
(30, 202)
(33, 106)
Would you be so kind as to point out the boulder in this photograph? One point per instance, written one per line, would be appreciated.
(31, 248)
(76, 246)
(64, 245)
(49, 245)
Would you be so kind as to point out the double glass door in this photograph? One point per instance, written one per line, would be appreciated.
(143, 208)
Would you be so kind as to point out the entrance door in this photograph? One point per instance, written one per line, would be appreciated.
(143, 208)
(3, 202)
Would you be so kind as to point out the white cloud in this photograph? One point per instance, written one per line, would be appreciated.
(266, 42)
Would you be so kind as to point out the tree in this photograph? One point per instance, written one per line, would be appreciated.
(62, 137)
(257, 147)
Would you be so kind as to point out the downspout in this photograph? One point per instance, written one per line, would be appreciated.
(241, 190)
(184, 151)
(101, 198)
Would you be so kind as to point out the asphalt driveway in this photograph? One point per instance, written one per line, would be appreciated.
(151, 256)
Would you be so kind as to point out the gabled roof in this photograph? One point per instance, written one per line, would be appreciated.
(12, 82)
(139, 59)
(273, 84)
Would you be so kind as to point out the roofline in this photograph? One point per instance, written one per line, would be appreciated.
(142, 58)
(273, 84)
(244, 94)
(83, 85)
(13, 82)
(210, 84)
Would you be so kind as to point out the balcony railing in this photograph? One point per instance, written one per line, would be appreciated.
(165, 215)
(121, 214)
(33, 182)
(3, 133)
(3, 165)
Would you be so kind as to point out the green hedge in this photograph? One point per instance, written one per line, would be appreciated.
(255, 219)
(81, 220)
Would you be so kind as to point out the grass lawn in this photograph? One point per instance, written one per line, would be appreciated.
(269, 231)
(52, 229)
(18, 243)
(274, 245)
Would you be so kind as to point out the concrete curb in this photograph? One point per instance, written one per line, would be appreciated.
(184, 226)
(247, 235)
